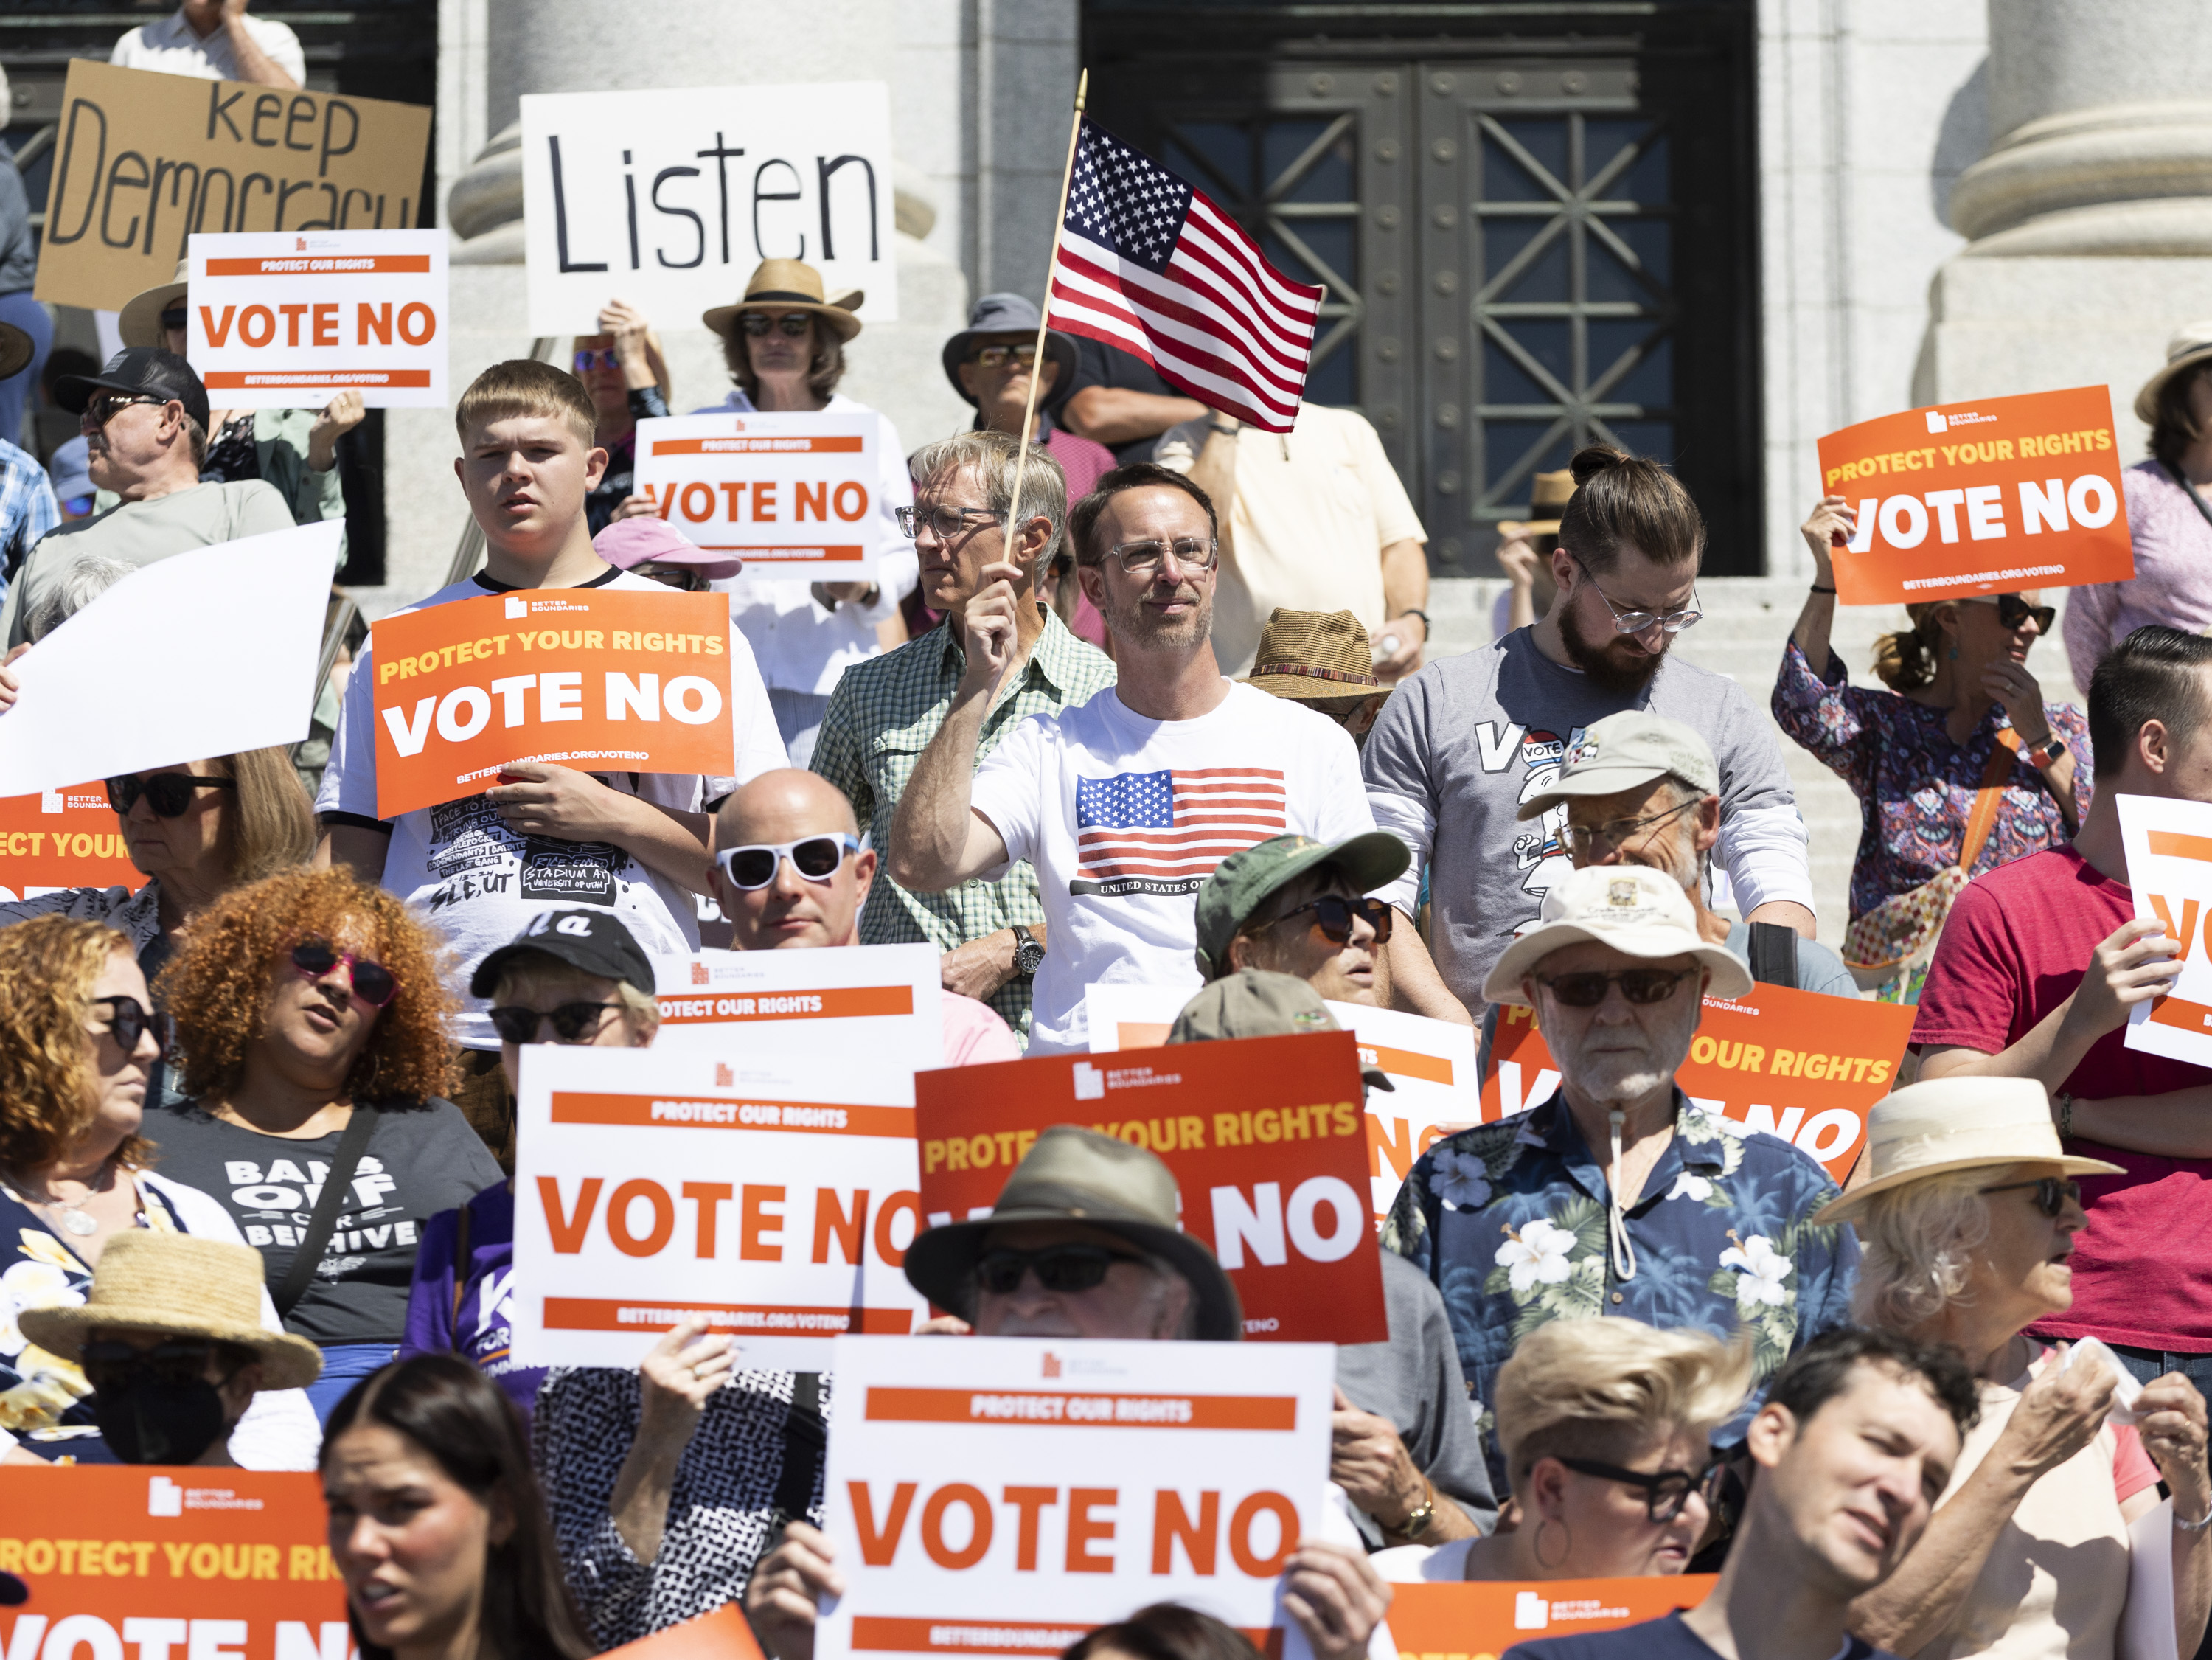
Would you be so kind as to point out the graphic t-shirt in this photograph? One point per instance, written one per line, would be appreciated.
(481, 882)
(1124, 819)
(2015, 945)
(420, 1160)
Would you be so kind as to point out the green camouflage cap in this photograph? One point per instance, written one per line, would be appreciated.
(1241, 882)
(1259, 1003)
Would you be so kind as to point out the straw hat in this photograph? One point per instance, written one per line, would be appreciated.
(2189, 348)
(1313, 655)
(1958, 1124)
(16, 350)
(1546, 490)
(1644, 913)
(181, 1285)
(789, 285)
(139, 322)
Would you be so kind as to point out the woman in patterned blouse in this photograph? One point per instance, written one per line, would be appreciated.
(1915, 755)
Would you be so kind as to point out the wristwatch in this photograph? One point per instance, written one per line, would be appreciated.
(1029, 951)
(2045, 753)
(1225, 428)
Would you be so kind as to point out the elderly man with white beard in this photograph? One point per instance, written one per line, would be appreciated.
(1082, 1244)
(1617, 1194)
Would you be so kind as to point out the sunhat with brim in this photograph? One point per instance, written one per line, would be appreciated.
(1076, 1175)
(645, 541)
(2190, 346)
(788, 285)
(1011, 314)
(16, 351)
(1242, 883)
(1312, 655)
(1547, 489)
(1260, 1003)
(1627, 748)
(139, 322)
(1954, 1124)
(177, 1285)
(1642, 913)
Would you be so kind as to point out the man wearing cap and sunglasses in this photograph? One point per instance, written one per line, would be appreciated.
(1616, 1194)
(1295, 906)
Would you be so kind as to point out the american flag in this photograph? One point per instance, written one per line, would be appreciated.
(1147, 264)
(1163, 832)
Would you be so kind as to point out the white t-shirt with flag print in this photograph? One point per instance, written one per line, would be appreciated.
(1124, 819)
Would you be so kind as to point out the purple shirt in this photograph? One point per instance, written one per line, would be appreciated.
(476, 1326)
(2172, 583)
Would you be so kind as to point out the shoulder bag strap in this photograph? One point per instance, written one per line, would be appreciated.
(1983, 817)
(2182, 479)
(324, 1219)
(806, 1438)
(1773, 954)
(460, 1268)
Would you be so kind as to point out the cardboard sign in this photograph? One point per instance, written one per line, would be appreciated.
(725, 1634)
(1990, 496)
(1004, 1495)
(144, 161)
(1431, 1062)
(1479, 1620)
(64, 838)
(882, 1001)
(1265, 1136)
(240, 626)
(1796, 1064)
(795, 495)
(607, 679)
(216, 1562)
(776, 1197)
(278, 318)
(671, 198)
(2169, 850)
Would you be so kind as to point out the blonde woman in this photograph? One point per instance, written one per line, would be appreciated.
(1607, 1428)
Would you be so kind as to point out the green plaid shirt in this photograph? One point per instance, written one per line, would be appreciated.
(882, 717)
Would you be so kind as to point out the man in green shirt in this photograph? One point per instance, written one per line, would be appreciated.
(886, 710)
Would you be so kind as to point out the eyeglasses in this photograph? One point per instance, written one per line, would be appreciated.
(793, 324)
(690, 578)
(1059, 1268)
(1665, 1492)
(129, 1020)
(589, 358)
(175, 1361)
(1146, 558)
(993, 357)
(1580, 838)
(1586, 989)
(173, 317)
(2013, 610)
(372, 982)
(816, 858)
(1333, 914)
(2052, 1193)
(1643, 622)
(572, 1022)
(103, 406)
(167, 793)
(945, 521)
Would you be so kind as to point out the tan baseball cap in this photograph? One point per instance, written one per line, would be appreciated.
(1625, 750)
(1643, 913)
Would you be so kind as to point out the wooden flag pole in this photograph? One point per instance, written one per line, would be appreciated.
(1044, 311)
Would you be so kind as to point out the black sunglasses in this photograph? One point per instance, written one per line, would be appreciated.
(174, 1361)
(571, 1021)
(173, 317)
(129, 1020)
(1333, 914)
(2052, 1193)
(797, 325)
(689, 578)
(1586, 989)
(1665, 1492)
(2013, 610)
(1059, 1268)
(167, 793)
(372, 982)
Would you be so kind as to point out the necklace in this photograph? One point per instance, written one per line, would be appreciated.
(73, 1220)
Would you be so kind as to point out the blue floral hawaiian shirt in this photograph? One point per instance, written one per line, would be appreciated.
(1509, 1220)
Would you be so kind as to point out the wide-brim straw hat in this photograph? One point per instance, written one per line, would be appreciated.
(1546, 490)
(179, 1285)
(2191, 345)
(789, 285)
(16, 351)
(1954, 1124)
(1076, 1175)
(1642, 913)
(139, 322)
(1313, 655)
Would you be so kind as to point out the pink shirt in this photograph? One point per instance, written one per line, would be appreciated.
(974, 1033)
(2172, 582)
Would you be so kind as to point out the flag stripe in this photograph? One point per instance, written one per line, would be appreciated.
(1165, 309)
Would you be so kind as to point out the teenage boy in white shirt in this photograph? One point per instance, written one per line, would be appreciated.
(636, 843)
(1124, 804)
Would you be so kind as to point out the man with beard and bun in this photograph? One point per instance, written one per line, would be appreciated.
(1126, 803)
(1464, 744)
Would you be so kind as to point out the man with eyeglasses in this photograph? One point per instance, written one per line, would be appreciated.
(1126, 803)
(792, 873)
(145, 418)
(1464, 745)
(1617, 1194)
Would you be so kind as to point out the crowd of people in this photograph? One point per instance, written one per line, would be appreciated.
(1176, 722)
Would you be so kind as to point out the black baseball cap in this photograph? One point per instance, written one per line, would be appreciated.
(138, 370)
(594, 941)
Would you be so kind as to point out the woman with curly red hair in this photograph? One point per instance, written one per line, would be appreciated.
(311, 1033)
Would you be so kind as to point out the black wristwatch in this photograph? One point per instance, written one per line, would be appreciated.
(1029, 951)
